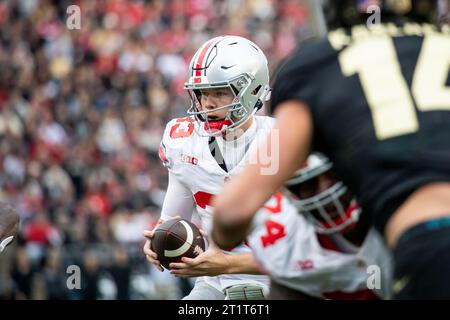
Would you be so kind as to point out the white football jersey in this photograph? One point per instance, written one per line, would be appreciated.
(187, 156)
(288, 248)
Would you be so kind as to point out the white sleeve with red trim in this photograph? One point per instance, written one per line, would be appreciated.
(178, 200)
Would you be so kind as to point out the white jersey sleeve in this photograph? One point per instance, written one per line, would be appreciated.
(178, 200)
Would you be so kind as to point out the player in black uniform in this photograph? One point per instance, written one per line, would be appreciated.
(376, 101)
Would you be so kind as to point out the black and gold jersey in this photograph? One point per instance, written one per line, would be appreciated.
(380, 102)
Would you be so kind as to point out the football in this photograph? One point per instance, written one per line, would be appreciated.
(177, 238)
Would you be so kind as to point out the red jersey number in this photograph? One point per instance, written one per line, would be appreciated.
(183, 128)
(277, 207)
(275, 232)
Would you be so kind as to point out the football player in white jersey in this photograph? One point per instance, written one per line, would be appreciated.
(312, 242)
(228, 82)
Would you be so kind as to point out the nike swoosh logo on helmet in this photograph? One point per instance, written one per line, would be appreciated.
(226, 68)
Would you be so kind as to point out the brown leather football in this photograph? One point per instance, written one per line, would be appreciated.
(177, 238)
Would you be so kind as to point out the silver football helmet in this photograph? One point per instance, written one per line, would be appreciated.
(228, 62)
(325, 201)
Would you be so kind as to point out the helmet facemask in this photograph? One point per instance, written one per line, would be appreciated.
(322, 199)
(237, 113)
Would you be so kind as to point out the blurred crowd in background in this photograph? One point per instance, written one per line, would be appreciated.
(82, 113)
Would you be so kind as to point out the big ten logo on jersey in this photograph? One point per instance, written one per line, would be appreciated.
(182, 128)
(304, 264)
(275, 230)
(189, 159)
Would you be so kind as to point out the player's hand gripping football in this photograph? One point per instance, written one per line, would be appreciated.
(211, 263)
(151, 256)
